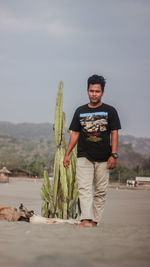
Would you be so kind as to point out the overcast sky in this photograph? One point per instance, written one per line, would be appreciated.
(45, 41)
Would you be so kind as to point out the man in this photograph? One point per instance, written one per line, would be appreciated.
(92, 126)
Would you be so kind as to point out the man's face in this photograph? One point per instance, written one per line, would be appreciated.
(95, 93)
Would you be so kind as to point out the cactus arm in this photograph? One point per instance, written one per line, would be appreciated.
(63, 181)
(56, 176)
(45, 196)
(58, 116)
(47, 182)
(44, 209)
(63, 129)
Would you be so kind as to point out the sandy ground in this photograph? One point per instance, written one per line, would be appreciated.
(122, 239)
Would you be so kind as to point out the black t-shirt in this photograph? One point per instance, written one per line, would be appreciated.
(95, 125)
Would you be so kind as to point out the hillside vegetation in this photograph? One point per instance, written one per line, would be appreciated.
(27, 130)
(31, 146)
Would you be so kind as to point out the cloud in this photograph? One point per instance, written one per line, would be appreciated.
(11, 23)
(138, 8)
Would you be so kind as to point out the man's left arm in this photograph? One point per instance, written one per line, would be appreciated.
(112, 162)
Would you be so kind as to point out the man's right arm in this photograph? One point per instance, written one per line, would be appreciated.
(72, 142)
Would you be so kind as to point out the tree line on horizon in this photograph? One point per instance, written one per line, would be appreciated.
(37, 155)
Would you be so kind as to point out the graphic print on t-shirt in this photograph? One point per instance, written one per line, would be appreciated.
(94, 124)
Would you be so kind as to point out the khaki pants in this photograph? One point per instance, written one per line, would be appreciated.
(93, 180)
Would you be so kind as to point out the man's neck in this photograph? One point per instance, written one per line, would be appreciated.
(91, 105)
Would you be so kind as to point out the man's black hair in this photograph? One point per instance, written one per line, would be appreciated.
(96, 79)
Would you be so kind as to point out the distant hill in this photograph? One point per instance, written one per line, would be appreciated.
(17, 151)
(45, 130)
(28, 130)
(26, 142)
(139, 144)
(128, 157)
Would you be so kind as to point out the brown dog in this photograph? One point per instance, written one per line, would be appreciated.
(10, 214)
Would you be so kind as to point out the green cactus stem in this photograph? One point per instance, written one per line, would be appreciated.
(63, 181)
(58, 116)
(63, 129)
(56, 177)
(44, 209)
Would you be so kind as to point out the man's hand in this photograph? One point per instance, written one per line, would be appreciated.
(66, 161)
(72, 142)
(112, 163)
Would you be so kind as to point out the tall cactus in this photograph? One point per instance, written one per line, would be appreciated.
(61, 197)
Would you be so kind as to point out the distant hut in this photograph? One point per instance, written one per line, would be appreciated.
(4, 175)
(16, 172)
